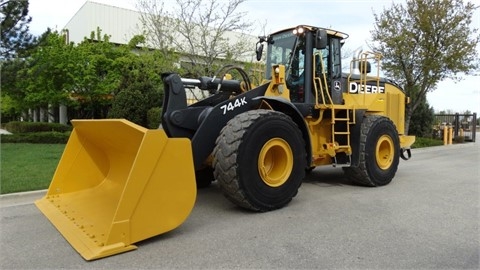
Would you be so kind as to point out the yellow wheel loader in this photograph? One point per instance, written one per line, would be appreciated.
(118, 183)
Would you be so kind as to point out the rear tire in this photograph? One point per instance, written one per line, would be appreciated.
(260, 160)
(379, 153)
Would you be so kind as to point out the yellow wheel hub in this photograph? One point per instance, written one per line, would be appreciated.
(275, 162)
(385, 152)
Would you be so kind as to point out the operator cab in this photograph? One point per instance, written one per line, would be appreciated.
(312, 58)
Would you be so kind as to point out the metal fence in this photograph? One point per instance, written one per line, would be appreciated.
(464, 125)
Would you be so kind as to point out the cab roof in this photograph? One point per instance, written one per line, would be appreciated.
(314, 28)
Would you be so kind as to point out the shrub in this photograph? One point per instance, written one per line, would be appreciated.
(36, 137)
(129, 105)
(426, 142)
(154, 117)
(422, 120)
(27, 127)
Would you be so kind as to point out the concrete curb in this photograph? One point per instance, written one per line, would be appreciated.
(21, 198)
(3, 131)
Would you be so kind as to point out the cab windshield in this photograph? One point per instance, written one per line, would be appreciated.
(279, 51)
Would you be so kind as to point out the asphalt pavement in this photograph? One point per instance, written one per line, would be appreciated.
(427, 218)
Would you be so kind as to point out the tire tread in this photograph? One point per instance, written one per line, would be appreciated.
(359, 174)
(225, 156)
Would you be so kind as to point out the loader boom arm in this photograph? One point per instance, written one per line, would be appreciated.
(202, 121)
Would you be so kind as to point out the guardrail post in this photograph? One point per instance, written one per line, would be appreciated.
(445, 135)
(450, 135)
(474, 126)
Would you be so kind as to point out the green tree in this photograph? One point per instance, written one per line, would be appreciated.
(14, 77)
(47, 72)
(8, 109)
(15, 80)
(141, 86)
(89, 78)
(81, 76)
(84, 76)
(93, 74)
(424, 42)
(14, 34)
(422, 120)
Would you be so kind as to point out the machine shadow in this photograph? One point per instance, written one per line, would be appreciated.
(210, 203)
(328, 176)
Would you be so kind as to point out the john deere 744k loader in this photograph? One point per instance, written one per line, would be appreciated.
(118, 183)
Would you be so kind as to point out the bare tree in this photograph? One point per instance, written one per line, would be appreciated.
(206, 32)
(155, 23)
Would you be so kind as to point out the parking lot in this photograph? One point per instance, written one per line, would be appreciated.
(428, 217)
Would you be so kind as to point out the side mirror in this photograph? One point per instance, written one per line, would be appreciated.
(321, 39)
(259, 51)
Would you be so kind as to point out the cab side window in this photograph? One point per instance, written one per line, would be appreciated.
(335, 58)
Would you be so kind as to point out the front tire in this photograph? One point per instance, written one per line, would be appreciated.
(378, 153)
(260, 160)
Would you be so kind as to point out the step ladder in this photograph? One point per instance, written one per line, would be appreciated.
(342, 136)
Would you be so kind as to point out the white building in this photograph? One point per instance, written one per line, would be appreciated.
(122, 24)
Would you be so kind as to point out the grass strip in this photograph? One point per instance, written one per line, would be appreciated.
(26, 167)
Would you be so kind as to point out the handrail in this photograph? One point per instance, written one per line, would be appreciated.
(359, 65)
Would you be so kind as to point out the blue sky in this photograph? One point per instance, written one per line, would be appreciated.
(352, 17)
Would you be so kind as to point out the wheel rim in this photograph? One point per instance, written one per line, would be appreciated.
(384, 152)
(275, 162)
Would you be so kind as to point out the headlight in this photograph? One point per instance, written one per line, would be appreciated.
(298, 31)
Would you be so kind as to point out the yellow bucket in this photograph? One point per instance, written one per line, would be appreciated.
(118, 183)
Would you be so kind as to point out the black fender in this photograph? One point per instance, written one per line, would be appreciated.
(355, 132)
(288, 108)
(203, 121)
(213, 119)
